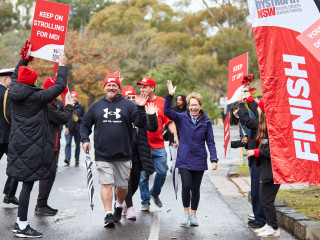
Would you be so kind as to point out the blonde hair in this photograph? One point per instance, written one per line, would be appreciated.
(196, 96)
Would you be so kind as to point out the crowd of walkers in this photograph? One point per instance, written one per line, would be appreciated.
(128, 145)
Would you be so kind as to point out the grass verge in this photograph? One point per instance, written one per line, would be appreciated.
(243, 171)
(306, 201)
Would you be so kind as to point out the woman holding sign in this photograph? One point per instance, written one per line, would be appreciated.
(30, 150)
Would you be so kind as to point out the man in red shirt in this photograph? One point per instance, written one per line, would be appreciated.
(156, 142)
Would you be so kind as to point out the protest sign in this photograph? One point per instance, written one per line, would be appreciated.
(238, 67)
(49, 27)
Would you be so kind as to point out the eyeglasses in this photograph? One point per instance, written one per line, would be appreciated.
(194, 105)
(130, 97)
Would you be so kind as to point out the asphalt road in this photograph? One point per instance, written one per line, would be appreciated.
(76, 220)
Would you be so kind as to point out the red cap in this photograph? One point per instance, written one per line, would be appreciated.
(261, 104)
(112, 77)
(128, 90)
(74, 94)
(27, 75)
(147, 82)
(49, 82)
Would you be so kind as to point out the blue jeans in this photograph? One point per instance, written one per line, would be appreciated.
(77, 138)
(258, 211)
(159, 157)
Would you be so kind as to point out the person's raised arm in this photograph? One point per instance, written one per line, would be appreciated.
(139, 117)
(152, 120)
(173, 115)
(14, 77)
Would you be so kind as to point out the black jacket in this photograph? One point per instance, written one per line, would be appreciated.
(30, 150)
(56, 118)
(264, 151)
(175, 108)
(113, 127)
(80, 112)
(250, 122)
(141, 148)
(4, 126)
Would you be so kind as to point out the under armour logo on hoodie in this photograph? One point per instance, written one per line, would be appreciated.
(111, 113)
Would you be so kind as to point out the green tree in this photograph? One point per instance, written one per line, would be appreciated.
(82, 10)
(8, 17)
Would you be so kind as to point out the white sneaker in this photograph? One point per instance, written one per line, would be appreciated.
(262, 229)
(124, 208)
(185, 220)
(131, 215)
(270, 233)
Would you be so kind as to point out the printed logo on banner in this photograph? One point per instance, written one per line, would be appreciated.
(55, 55)
(269, 8)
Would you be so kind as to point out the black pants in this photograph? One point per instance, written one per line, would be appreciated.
(24, 200)
(268, 193)
(45, 187)
(11, 184)
(191, 181)
(133, 181)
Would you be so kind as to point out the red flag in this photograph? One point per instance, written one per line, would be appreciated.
(226, 134)
(290, 83)
(65, 95)
(55, 69)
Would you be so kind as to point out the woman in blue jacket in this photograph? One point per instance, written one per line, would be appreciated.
(195, 130)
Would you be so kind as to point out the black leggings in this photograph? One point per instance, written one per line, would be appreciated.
(24, 200)
(191, 181)
(268, 193)
(133, 181)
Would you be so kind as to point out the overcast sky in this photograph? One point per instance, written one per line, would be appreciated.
(195, 5)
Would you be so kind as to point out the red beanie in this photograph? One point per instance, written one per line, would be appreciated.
(112, 77)
(27, 75)
(74, 94)
(49, 82)
(128, 90)
(261, 104)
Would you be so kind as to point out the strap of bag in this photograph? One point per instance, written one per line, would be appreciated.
(5, 104)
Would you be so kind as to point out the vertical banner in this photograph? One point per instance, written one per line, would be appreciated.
(49, 27)
(226, 135)
(290, 84)
(238, 67)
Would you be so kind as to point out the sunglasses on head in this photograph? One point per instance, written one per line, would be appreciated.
(130, 97)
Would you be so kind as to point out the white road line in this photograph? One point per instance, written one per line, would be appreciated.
(155, 227)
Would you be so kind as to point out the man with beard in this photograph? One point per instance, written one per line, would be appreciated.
(113, 117)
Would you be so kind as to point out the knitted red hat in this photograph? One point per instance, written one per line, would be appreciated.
(261, 104)
(49, 82)
(27, 75)
(112, 77)
(74, 94)
(128, 90)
